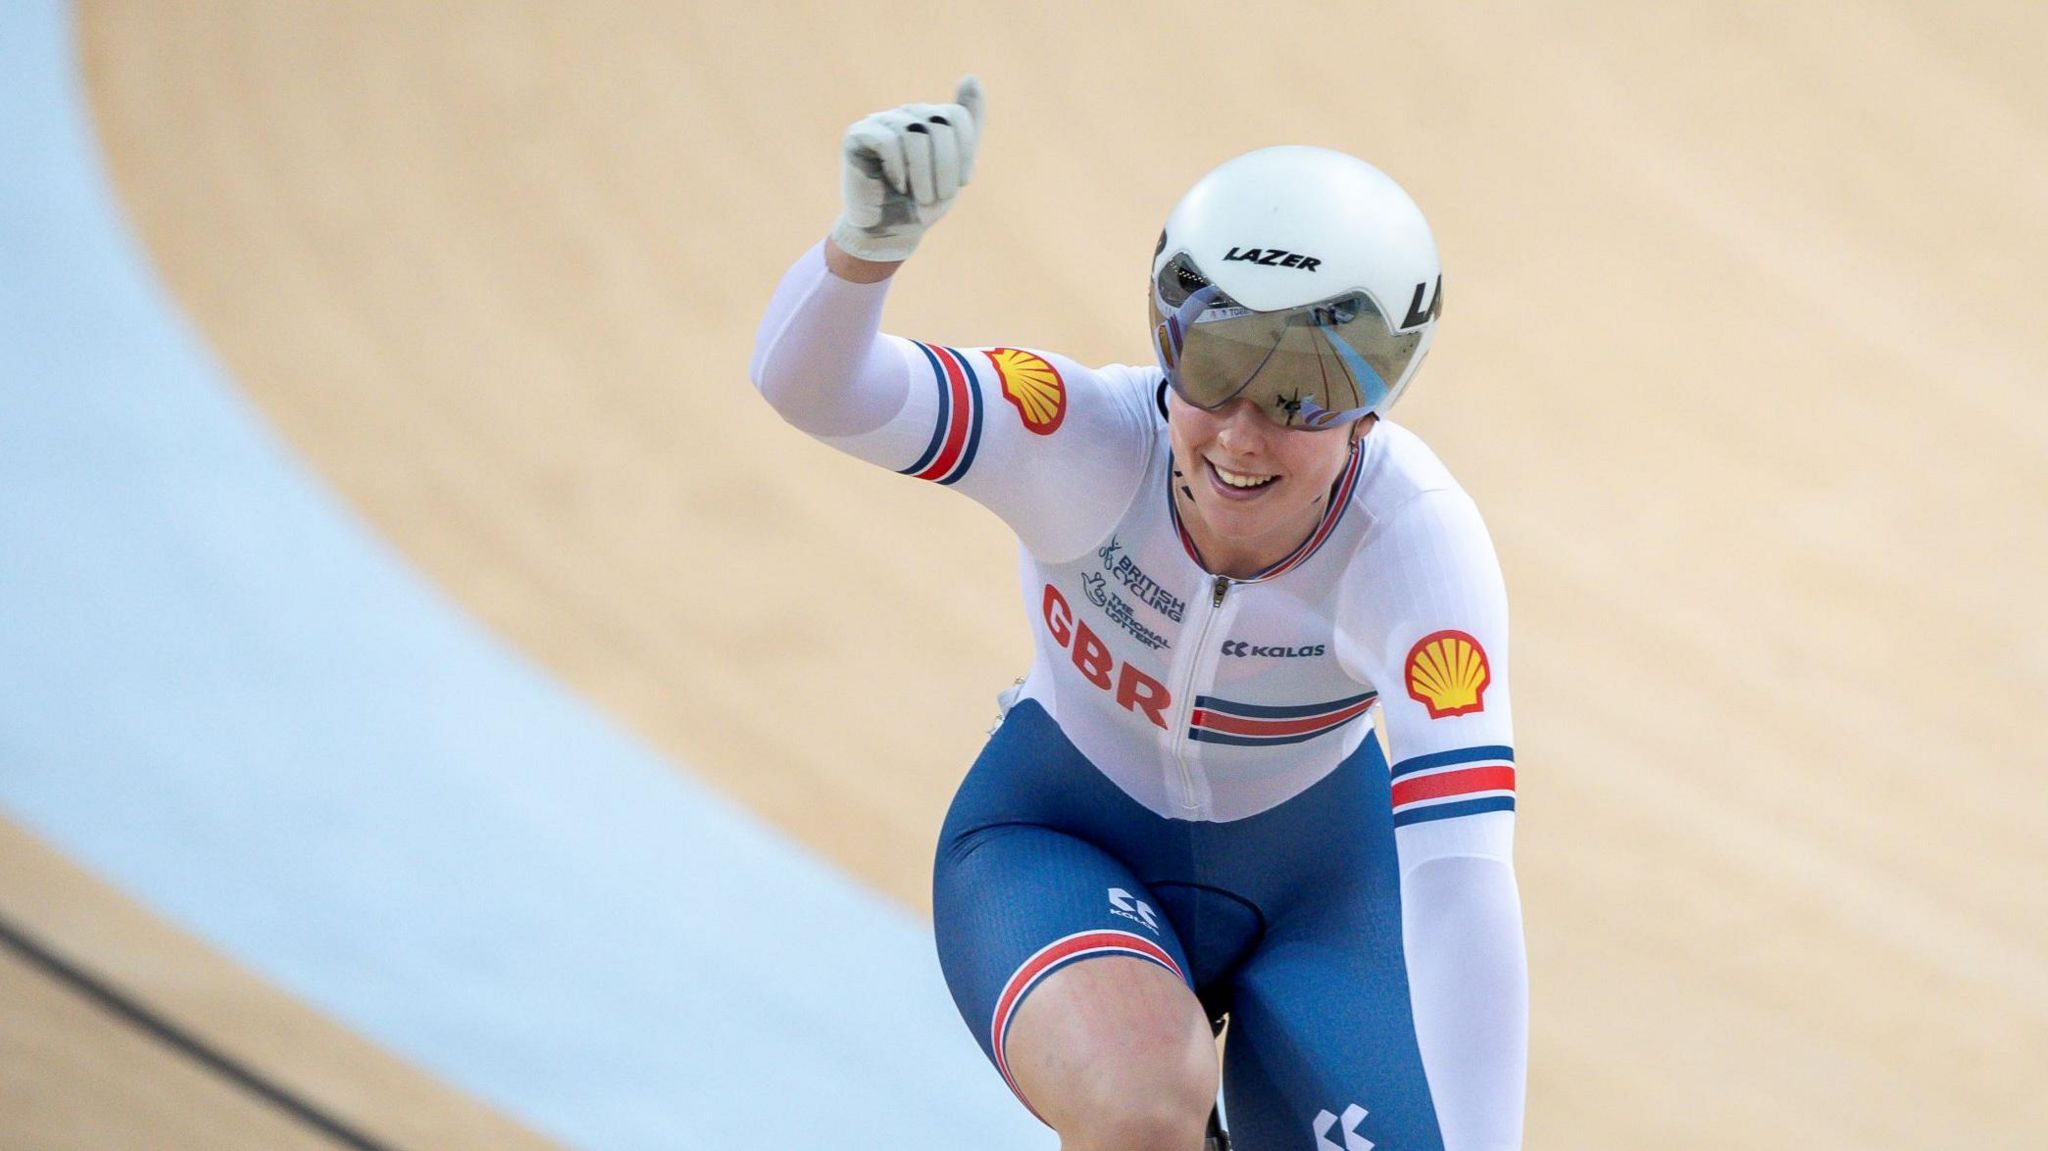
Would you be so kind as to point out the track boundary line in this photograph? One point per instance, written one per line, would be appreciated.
(134, 1013)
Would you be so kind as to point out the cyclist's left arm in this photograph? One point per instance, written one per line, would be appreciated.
(1427, 625)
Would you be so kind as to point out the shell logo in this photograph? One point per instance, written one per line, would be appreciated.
(1448, 673)
(1032, 386)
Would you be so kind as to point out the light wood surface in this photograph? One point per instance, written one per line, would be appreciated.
(1741, 357)
(76, 1075)
(78, 1080)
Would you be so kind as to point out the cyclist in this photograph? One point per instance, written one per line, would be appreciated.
(1231, 562)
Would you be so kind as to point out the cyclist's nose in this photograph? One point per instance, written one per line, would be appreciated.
(1242, 427)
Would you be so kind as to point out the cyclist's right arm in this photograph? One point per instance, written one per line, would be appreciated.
(1056, 449)
(819, 357)
(816, 357)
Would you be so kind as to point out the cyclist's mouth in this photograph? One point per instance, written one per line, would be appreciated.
(1235, 485)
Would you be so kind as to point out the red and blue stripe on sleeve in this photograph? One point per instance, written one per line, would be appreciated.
(1448, 784)
(957, 434)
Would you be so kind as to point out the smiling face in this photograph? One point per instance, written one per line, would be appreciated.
(1249, 490)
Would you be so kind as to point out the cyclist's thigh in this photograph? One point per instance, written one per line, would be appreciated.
(1014, 904)
(1321, 1051)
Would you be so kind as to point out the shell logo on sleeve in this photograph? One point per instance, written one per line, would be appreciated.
(1448, 673)
(1033, 386)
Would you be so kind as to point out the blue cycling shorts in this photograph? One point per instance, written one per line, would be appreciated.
(1289, 920)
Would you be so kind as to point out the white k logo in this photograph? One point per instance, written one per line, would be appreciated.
(1132, 908)
(1353, 1141)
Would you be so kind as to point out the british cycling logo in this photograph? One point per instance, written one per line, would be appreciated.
(1238, 647)
(1096, 588)
(1141, 586)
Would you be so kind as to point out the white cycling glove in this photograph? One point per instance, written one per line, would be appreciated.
(899, 172)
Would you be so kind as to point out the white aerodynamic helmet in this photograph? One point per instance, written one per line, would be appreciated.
(1301, 278)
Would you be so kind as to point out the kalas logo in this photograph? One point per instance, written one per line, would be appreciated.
(1238, 647)
(1136, 910)
(1135, 691)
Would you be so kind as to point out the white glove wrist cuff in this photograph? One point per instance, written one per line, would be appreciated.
(866, 244)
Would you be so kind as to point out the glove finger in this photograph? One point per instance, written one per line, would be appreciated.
(966, 136)
(897, 119)
(917, 161)
(945, 155)
(875, 137)
(937, 126)
(969, 96)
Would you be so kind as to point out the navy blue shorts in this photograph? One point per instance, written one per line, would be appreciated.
(1289, 920)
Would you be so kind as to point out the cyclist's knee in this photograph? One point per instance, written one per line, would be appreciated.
(1135, 1129)
(1157, 1102)
(1116, 1053)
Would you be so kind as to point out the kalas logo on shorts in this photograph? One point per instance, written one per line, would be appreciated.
(1136, 910)
(1135, 691)
(1345, 1125)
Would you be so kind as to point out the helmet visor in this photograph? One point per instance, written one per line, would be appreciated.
(1319, 365)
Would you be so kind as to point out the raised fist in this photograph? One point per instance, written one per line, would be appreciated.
(900, 171)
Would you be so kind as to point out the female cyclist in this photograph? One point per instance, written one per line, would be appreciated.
(1230, 561)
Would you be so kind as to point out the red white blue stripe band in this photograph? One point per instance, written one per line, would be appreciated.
(1258, 725)
(1448, 784)
(1050, 958)
(956, 435)
(1340, 498)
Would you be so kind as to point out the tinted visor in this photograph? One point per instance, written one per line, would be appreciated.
(1320, 365)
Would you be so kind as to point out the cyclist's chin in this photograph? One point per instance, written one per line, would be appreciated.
(1250, 517)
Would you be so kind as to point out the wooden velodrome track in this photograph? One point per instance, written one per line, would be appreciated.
(1741, 358)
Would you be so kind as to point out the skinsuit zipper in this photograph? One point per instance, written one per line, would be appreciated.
(1217, 591)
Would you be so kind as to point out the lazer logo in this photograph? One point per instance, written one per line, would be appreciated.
(1273, 258)
(1417, 313)
(1135, 691)
(1240, 647)
(1136, 910)
(1353, 1141)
